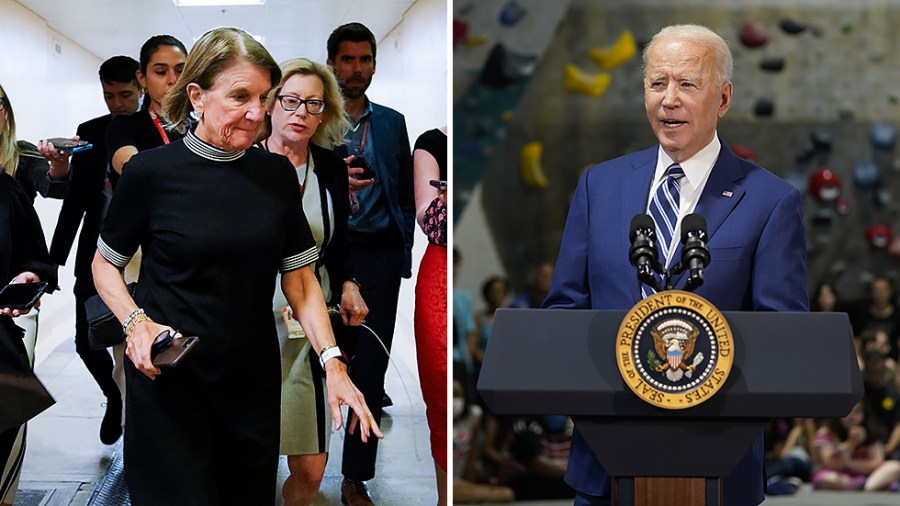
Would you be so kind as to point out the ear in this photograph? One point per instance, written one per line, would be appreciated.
(195, 94)
(142, 80)
(726, 99)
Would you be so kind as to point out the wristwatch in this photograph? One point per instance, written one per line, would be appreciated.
(329, 352)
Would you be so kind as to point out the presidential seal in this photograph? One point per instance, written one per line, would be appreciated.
(674, 349)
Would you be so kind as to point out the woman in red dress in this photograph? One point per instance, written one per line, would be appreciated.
(430, 171)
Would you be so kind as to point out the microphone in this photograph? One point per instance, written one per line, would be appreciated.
(694, 252)
(643, 254)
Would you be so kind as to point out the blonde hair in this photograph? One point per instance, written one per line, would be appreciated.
(334, 122)
(9, 152)
(699, 35)
(216, 51)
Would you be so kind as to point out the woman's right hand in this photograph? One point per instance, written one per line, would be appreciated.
(139, 344)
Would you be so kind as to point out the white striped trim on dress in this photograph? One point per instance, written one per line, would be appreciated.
(112, 256)
(209, 151)
(299, 260)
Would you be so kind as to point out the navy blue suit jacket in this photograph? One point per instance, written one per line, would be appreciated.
(758, 263)
(395, 161)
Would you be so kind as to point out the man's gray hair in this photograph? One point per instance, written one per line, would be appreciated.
(699, 35)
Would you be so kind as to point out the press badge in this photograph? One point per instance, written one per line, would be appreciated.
(292, 326)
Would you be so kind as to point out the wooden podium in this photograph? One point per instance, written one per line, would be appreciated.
(562, 362)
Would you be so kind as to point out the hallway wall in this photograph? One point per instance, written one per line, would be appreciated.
(53, 86)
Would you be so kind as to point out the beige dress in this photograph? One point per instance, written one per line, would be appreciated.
(305, 415)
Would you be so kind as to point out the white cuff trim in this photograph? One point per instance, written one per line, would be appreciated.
(112, 256)
(299, 260)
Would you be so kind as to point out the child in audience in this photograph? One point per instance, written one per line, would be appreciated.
(851, 456)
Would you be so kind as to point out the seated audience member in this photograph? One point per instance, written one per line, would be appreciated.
(495, 291)
(851, 455)
(882, 401)
(538, 287)
(463, 318)
(467, 440)
(788, 463)
(877, 340)
(529, 454)
(878, 311)
(825, 299)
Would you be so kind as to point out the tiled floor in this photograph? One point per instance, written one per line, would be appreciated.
(65, 458)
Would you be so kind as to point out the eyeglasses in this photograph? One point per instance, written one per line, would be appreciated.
(292, 103)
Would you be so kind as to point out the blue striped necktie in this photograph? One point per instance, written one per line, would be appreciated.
(664, 209)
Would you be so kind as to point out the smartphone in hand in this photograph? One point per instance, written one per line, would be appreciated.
(69, 145)
(22, 296)
(168, 350)
(361, 162)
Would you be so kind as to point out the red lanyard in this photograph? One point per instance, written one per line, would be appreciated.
(159, 127)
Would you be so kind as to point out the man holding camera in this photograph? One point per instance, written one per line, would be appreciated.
(380, 235)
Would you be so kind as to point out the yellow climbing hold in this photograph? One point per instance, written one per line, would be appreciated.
(616, 54)
(506, 116)
(530, 165)
(476, 41)
(578, 82)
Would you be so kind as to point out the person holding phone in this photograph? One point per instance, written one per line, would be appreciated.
(27, 163)
(430, 179)
(23, 259)
(82, 213)
(382, 223)
(217, 222)
(305, 121)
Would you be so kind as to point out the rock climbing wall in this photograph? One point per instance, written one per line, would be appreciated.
(815, 101)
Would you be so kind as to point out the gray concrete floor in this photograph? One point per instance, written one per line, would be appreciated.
(65, 458)
(805, 497)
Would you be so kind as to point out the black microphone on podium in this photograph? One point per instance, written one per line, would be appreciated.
(643, 254)
(694, 252)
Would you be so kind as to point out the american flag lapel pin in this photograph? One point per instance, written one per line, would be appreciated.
(727, 193)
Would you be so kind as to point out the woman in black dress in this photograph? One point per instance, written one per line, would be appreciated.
(25, 173)
(23, 259)
(161, 63)
(216, 221)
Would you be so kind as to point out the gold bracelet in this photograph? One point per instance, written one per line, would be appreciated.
(138, 318)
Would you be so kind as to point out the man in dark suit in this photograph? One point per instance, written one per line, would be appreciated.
(86, 200)
(754, 222)
(381, 232)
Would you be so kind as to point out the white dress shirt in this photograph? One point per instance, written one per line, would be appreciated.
(696, 172)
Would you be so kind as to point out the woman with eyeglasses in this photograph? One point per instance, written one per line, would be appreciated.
(305, 120)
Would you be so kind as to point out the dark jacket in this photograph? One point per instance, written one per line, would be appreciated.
(85, 200)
